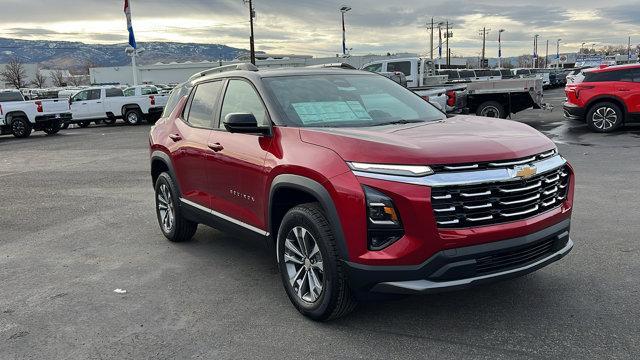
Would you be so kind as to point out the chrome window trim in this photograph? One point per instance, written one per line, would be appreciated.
(469, 177)
(225, 217)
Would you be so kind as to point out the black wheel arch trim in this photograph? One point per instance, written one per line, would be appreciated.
(319, 192)
(161, 156)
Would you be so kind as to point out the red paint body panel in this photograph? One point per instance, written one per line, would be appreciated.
(236, 181)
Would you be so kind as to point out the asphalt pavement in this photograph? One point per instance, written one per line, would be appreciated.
(77, 222)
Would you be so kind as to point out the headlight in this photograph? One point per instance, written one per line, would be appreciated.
(384, 226)
(389, 169)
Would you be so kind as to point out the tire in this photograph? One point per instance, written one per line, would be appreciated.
(109, 122)
(605, 117)
(21, 127)
(53, 129)
(133, 117)
(312, 261)
(492, 109)
(174, 226)
(64, 126)
(84, 124)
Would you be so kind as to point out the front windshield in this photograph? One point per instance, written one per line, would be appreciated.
(337, 100)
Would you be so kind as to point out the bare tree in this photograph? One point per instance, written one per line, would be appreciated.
(524, 61)
(40, 79)
(58, 78)
(14, 73)
(75, 80)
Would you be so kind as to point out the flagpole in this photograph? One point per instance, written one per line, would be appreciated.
(134, 66)
(132, 41)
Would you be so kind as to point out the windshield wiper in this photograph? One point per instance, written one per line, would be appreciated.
(399, 122)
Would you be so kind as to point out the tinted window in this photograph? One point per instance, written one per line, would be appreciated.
(173, 100)
(505, 73)
(203, 104)
(496, 73)
(374, 67)
(347, 101)
(523, 72)
(467, 74)
(94, 94)
(241, 97)
(149, 90)
(483, 73)
(605, 76)
(10, 96)
(401, 66)
(113, 92)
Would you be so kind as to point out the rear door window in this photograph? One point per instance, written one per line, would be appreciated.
(401, 66)
(203, 104)
(94, 94)
(115, 92)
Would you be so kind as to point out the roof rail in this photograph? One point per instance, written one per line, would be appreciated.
(334, 66)
(220, 69)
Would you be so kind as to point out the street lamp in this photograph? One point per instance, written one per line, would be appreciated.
(343, 10)
(500, 48)
(558, 53)
(534, 61)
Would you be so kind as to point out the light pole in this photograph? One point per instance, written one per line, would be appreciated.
(534, 61)
(252, 15)
(500, 48)
(343, 10)
(558, 53)
(440, 24)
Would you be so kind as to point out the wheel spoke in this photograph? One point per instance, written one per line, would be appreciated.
(289, 258)
(318, 265)
(295, 277)
(291, 246)
(312, 286)
(301, 285)
(315, 251)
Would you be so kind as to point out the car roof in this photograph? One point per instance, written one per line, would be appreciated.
(267, 73)
(616, 67)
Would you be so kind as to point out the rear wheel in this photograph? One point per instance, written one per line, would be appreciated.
(312, 274)
(492, 109)
(174, 226)
(604, 117)
(21, 127)
(133, 117)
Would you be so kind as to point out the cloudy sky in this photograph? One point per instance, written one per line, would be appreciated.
(313, 26)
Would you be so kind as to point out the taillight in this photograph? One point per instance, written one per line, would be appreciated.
(153, 99)
(451, 98)
(39, 105)
(425, 98)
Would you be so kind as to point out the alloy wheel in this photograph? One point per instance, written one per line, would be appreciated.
(18, 128)
(604, 118)
(303, 260)
(132, 118)
(166, 209)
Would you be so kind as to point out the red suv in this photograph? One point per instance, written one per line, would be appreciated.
(606, 99)
(362, 188)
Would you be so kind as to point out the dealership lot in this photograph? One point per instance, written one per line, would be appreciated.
(77, 222)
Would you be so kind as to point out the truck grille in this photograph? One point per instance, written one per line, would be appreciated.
(487, 204)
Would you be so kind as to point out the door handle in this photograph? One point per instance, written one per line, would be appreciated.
(175, 137)
(216, 147)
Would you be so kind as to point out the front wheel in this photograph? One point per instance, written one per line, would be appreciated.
(174, 226)
(313, 276)
(604, 117)
(133, 117)
(21, 127)
(53, 129)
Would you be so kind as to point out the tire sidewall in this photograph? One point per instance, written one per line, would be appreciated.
(319, 309)
(165, 179)
(615, 108)
(498, 107)
(138, 117)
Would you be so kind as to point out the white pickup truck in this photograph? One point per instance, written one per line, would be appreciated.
(108, 104)
(20, 117)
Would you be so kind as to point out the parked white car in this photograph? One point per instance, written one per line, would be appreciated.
(20, 117)
(108, 104)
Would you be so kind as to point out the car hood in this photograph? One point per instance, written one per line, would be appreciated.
(457, 140)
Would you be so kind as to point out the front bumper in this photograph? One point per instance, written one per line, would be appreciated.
(573, 112)
(467, 266)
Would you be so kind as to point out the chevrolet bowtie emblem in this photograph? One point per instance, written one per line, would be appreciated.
(525, 171)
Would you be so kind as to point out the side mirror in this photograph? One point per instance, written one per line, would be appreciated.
(244, 123)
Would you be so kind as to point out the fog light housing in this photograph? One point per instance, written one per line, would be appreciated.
(384, 226)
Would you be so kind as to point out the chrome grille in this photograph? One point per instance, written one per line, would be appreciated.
(486, 204)
(494, 164)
